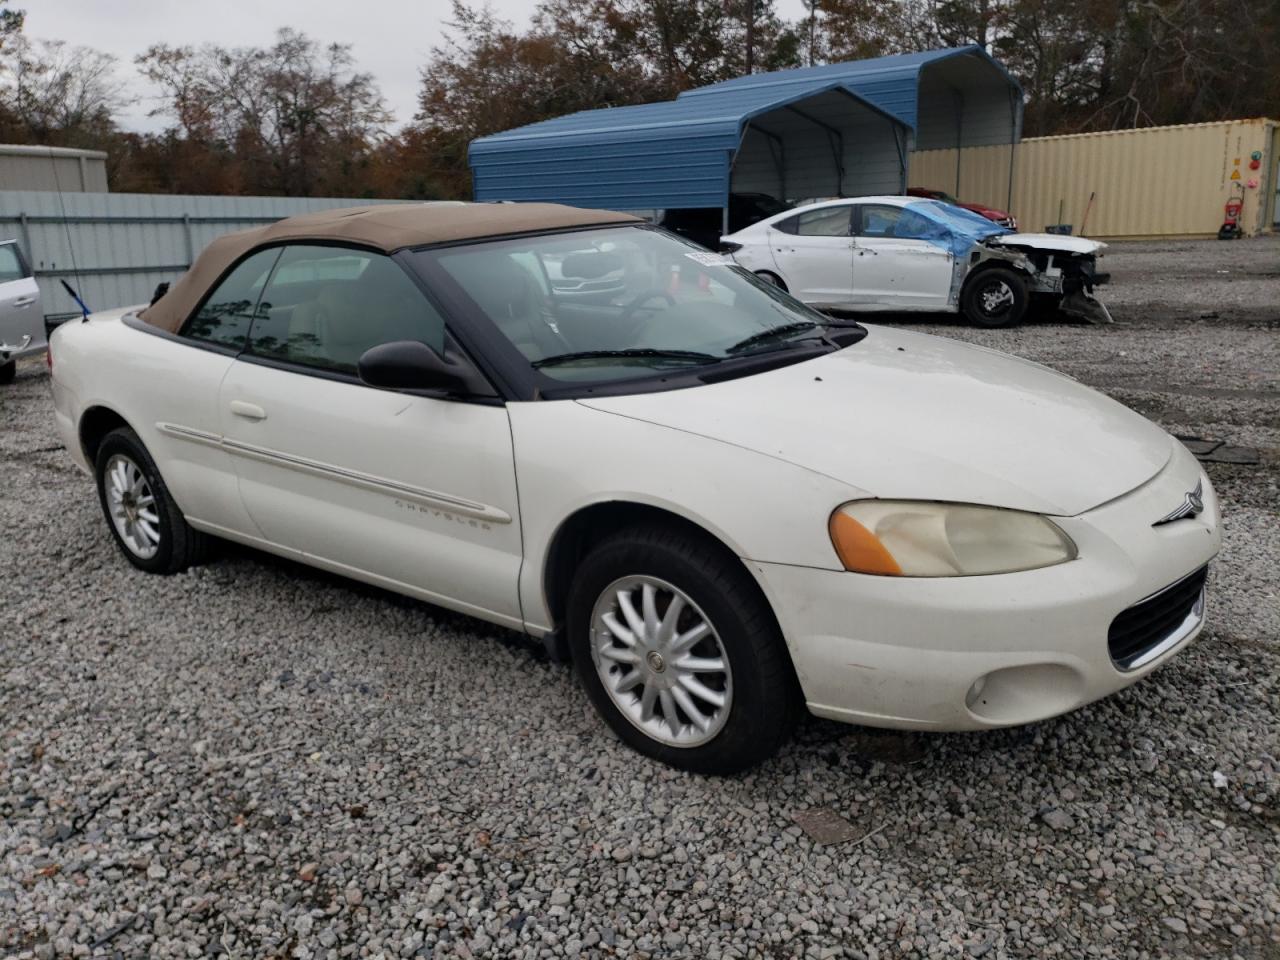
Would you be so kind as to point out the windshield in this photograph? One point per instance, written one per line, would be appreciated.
(622, 302)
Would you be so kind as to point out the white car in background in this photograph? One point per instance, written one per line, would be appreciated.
(721, 503)
(21, 319)
(909, 254)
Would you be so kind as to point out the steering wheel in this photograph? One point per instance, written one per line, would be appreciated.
(628, 312)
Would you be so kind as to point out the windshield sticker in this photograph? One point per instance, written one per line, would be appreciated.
(711, 259)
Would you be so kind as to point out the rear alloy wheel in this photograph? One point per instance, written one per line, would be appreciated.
(132, 507)
(995, 298)
(679, 651)
(145, 522)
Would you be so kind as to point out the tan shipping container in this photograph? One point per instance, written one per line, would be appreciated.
(1150, 182)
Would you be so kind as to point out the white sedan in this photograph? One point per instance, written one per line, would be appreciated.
(904, 253)
(721, 504)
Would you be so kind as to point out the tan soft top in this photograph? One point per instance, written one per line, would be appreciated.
(386, 227)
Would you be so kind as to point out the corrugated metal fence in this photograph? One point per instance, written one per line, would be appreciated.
(1157, 181)
(115, 247)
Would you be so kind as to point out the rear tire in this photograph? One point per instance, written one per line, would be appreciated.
(723, 631)
(8, 371)
(768, 276)
(147, 525)
(996, 297)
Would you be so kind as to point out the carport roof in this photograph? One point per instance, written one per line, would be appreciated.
(668, 120)
(890, 83)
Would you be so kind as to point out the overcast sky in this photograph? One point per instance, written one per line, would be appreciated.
(389, 38)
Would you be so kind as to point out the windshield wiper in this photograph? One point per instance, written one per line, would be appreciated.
(692, 356)
(765, 335)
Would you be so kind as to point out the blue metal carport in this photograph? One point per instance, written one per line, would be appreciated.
(842, 129)
(681, 153)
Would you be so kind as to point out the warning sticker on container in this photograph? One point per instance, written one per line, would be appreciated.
(711, 259)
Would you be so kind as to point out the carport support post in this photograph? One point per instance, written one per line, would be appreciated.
(959, 105)
(26, 240)
(899, 141)
(1015, 107)
(728, 184)
(186, 233)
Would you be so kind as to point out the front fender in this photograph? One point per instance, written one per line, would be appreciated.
(569, 457)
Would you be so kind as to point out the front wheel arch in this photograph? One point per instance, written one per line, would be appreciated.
(593, 523)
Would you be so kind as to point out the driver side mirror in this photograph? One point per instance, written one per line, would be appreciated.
(412, 365)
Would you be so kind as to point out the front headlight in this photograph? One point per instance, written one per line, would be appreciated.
(904, 538)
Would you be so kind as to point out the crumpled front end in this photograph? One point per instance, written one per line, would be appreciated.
(1068, 273)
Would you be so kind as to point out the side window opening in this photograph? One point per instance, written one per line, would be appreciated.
(825, 222)
(11, 266)
(227, 313)
(325, 306)
(900, 223)
(789, 225)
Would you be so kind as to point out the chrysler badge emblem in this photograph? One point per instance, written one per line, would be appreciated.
(1192, 505)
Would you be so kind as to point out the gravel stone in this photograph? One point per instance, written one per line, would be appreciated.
(257, 759)
(1058, 819)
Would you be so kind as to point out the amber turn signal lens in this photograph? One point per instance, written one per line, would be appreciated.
(858, 548)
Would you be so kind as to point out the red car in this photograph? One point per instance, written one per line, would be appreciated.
(1001, 217)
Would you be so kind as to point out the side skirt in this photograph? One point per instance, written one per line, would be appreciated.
(364, 576)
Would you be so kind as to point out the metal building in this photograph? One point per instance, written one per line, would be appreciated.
(1150, 182)
(24, 167)
(115, 247)
(842, 129)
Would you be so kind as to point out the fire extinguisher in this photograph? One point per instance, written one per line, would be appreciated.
(1230, 229)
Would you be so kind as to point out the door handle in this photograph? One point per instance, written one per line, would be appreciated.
(250, 411)
(24, 301)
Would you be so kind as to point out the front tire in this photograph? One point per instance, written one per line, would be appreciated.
(679, 652)
(996, 297)
(147, 525)
(8, 371)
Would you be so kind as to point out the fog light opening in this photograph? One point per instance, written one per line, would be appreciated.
(975, 692)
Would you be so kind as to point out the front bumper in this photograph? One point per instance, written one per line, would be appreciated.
(969, 653)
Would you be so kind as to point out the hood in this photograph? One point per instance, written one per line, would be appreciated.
(1049, 241)
(909, 416)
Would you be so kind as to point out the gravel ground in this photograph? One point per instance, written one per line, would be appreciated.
(255, 759)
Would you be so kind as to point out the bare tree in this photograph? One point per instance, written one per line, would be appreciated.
(295, 115)
(58, 93)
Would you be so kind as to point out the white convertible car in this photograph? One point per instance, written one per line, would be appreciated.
(720, 503)
(904, 253)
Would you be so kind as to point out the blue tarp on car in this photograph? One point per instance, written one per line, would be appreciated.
(952, 228)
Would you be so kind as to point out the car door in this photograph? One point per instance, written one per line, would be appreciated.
(21, 321)
(415, 492)
(894, 265)
(814, 254)
(178, 385)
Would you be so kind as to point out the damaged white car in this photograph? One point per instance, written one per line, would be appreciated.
(905, 253)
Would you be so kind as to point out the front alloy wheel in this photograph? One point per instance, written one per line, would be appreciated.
(661, 661)
(679, 651)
